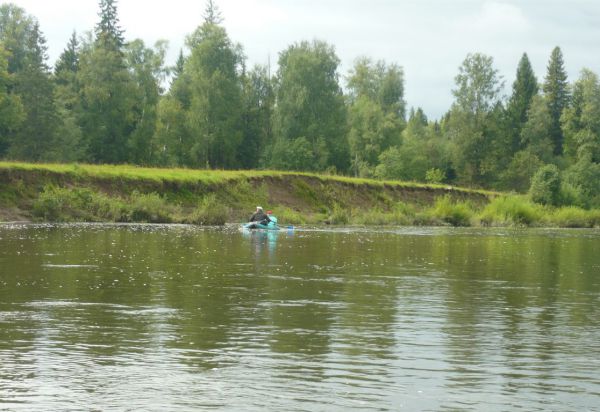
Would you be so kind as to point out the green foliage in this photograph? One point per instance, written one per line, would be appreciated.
(524, 89)
(11, 109)
(435, 176)
(148, 71)
(454, 213)
(214, 117)
(58, 204)
(478, 85)
(581, 121)
(339, 215)
(510, 210)
(298, 154)
(150, 208)
(107, 94)
(584, 178)
(545, 186)
(285, 215)
(401, 214)
(573, 216)
(556, 91)
(209, 212)
(310, 103)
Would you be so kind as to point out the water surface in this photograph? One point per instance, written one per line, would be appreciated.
(171, 318)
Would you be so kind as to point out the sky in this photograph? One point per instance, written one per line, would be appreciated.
(428, 38)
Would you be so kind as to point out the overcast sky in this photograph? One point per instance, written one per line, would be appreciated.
(429, 38)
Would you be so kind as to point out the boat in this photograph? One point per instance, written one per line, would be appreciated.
(256, 225)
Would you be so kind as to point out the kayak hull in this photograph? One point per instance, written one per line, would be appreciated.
(255, 225)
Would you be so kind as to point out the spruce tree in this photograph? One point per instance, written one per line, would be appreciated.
(68, 61)
(524, 89)
(556, 90)
(34, 86)
(212, 15)
(108, 31)
(11, 109)
(107, 90)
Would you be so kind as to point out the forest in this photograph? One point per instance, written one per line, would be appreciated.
(108, 100)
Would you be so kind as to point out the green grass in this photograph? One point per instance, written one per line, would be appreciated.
(76, 192)
(511, 211)
(571, 216)
(453, 213)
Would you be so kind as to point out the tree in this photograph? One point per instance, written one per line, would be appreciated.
(15, 32)
(474, 120)
(69, 145)
(35, 138)
(310, 103)
(213, 94)
(108, 31)
(478, 85)
(11, 109)
(524, 89)
(259, 101)
(376, 112)
(148, 72)
(556, 90)
(107, 91)
(212, 15)
(581, 121)
(545, 186)
(382, 83)
(537, 149)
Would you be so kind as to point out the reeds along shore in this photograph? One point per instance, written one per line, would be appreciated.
(85, 193)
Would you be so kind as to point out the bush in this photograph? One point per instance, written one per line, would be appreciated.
(288, 216)
(456, 214)
(545, 186)
(510, 210)
(572, 216)
(209, 212)
(57, 204)
(150, 208)
(339, 215)
(435, 176)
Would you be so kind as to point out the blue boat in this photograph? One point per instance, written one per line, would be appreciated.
(256, 225)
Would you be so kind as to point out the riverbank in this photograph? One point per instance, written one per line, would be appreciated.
(91, 193)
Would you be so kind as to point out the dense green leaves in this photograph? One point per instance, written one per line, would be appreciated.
(110, 100)
(556, 90)
(310, 104)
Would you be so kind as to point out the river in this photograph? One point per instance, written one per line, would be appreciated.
(172, 318)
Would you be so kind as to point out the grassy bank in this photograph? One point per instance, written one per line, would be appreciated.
(66, 193)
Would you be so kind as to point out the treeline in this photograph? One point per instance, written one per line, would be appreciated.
(103, 102)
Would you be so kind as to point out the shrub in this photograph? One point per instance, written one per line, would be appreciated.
(209, 212)
(435, 176)
(339, 215)
(572, 216)
(456, 214)
(288, 216)
(150, 208)
(545, 186)
(510, 210)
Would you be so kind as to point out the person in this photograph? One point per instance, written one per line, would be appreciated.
(260, 216)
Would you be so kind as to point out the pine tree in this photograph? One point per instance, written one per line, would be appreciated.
(33, 84)
(556, 90)
(524, 89)
(108, 31)
(11, 109)
(108, 91)
(68, 61)
(212, 15)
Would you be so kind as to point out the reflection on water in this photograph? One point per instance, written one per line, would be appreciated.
(180, 318)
